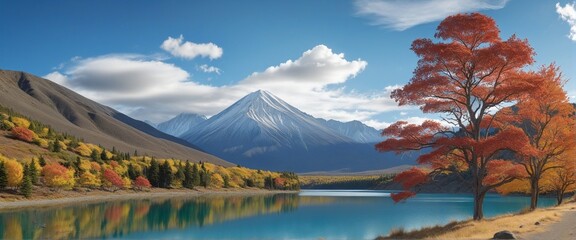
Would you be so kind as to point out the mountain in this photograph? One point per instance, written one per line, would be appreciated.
(354, 130)
(262, 131)
(180, 124)
(68, 112)
(151, 123)
(260, 122)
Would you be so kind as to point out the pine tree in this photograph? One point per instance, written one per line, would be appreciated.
(103, 155)
(204, 176)
(3, 176)
(153, 173)
(165, 175)
(94, 155)
(132, 173)
(56, 146)
(33, 172)
(195, 175)
(180, 173)
(188, 177)
(26, 185)
(42, 161)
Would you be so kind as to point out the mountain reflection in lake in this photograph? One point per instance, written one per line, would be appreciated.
(310, 214)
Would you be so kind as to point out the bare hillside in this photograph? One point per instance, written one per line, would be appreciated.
(69, 112)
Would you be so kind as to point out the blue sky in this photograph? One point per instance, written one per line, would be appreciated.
(332, 59)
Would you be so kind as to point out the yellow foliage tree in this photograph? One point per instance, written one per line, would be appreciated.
(87, 179)
(216, 181)
(83, 150)
(21, 122)
(58, 176)
(14, 170)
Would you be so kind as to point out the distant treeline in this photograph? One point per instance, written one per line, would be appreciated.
(344, 182)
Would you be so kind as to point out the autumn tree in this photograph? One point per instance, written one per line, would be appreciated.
(24, 134)
(111, 179)
(547, 118)
(465, 77)
(562, 179)
(141, 182)
(58, 176)
(14, 172)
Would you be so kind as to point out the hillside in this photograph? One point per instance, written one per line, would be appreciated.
(69, 112)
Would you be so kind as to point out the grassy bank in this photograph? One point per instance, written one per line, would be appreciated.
(521, 224)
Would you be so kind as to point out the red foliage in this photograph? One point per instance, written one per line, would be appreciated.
(114, 164)
(279, 182)
(142, 182)
(397, 197)
(113, 177)
(23, 134)
(411, 177)
(465, 76)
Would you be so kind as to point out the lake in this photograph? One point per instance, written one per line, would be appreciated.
(310, 214)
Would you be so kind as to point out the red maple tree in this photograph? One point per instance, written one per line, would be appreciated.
(465, 77)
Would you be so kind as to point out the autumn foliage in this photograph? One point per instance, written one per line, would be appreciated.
(466, 76)
(23, 134)
(58, 176)
(112, 179)
(141, 182)
(14, 170)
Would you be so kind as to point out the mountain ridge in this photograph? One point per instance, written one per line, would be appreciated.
(69, 112)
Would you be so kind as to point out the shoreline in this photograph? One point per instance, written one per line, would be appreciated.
(97, 196)
(554, 223)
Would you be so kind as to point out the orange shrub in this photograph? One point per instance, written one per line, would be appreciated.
(23, 134)
(56, 175)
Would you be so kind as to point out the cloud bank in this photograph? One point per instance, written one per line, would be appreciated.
(568, 14)
(154, 90)
(403, 14)
(189, 50)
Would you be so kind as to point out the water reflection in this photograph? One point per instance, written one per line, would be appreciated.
(117, 219)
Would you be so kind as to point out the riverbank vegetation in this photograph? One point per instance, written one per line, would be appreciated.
(521, 224)
(44, 158)
(344, 182)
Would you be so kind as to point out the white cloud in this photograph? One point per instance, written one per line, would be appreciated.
(189, 50)
(154, 90)
(568, 14)
(209, 69)
(56, 77)
(403, 14)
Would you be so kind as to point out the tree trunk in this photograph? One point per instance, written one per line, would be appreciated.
(478, 203)
(534, 192)
(559, 196)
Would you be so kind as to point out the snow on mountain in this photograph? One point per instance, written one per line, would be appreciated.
(180, 124)
(261, 131)
(150, 123)
(355, 130)
(261, 122)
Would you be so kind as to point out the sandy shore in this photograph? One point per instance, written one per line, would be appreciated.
(73, 197)
(554, 223)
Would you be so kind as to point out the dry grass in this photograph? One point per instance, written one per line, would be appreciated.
(520, 224)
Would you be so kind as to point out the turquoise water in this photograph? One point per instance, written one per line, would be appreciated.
(311, 214)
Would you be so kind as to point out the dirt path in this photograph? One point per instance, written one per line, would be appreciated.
(565, 229)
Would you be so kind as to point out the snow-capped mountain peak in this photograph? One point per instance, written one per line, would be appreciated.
(261, 122)
(180, 124)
